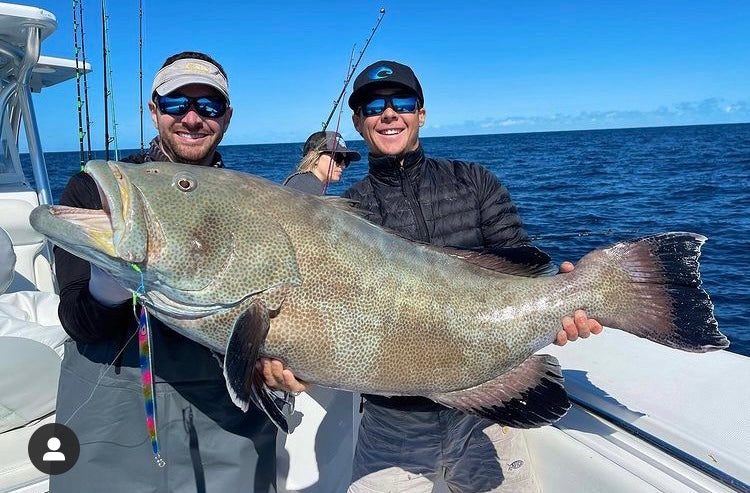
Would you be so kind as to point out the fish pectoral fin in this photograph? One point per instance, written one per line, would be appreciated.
(528, 396)
(264, 398)
(244, 383)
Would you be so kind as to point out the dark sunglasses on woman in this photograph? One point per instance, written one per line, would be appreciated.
(178, 105)
(340, 159)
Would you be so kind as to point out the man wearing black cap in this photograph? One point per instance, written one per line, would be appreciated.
(324, 159)
(406, 443)
(207, 442)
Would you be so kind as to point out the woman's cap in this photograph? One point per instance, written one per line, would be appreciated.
(384, 73)
(186, 71)
(329, 142)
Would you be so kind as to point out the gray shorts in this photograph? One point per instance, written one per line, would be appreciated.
(400, 451)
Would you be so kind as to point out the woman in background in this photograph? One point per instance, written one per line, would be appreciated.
(325, 156)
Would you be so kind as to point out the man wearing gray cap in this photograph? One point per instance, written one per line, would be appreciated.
(189, 81)
(207, 442)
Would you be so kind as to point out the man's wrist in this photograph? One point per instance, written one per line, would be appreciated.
(105, 289)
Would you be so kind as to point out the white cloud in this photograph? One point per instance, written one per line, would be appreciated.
(708, 111)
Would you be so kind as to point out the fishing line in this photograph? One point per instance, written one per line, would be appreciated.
(146, 364)
(101, 375)
(111, 363)
(585, 233)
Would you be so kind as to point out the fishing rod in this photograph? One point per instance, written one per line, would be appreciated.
(89, 154)
(353, 68)
(140, 63)
(78, 85)
(584, 233)
(112, 92)
(81, 72)
(329, 174)
(107, 140)
(108, 88)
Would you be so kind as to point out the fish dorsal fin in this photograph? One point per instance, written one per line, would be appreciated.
(346, 205)
(528, 396)
(244, 383)
(523, 260)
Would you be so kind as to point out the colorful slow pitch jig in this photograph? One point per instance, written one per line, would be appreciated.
(147, 377)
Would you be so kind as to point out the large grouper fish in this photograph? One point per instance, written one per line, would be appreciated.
(249, 269)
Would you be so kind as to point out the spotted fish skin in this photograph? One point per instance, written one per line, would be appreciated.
(351, 306)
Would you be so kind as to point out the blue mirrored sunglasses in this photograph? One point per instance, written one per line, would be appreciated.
(178, 105)
(400, 104)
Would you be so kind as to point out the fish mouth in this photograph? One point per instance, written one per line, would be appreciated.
(117, 237)
(114, 233)
(122, 203)
(75, 229)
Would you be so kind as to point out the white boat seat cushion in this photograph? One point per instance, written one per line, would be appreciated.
(28, 390)
(7, 260)
(32, 315)
(32, 268)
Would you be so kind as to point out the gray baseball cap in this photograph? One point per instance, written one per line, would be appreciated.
(329, 142)
(189, 71)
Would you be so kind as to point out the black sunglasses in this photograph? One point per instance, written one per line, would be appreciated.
(399, 103)
(338, 158)
(178, 105)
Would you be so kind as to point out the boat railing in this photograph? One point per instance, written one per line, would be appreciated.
(17, 106)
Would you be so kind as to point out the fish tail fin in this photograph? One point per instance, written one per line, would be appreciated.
(657, 293)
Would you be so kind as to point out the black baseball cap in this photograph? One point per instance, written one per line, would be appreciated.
(384, 73)
(329, 142)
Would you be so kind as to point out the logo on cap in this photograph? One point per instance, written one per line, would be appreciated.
(197, 67)
(380, 72)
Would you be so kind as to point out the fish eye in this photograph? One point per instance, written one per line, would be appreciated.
(184, 182)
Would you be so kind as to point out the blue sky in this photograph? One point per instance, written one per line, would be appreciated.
(485, 66)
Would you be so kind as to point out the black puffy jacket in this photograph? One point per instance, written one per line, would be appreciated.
(438, 201)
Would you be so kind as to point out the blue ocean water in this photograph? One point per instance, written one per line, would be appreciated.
(580, 190)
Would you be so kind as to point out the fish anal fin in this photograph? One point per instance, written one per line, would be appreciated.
(244, 383)
(528, 396)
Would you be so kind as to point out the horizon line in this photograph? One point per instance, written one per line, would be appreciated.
(26, 152)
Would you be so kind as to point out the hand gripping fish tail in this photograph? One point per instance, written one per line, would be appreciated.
(651, 289)
(655, 291)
